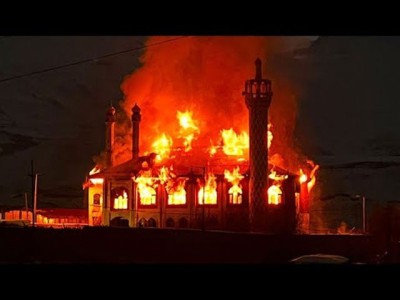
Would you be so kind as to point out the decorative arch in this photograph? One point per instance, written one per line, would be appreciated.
(142, 223)
(119, 222)
(170, 223)
(151, 223)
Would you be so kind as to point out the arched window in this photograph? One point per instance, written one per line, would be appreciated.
(207, 193)
(263, 87)
(176, 192)
(119, 222)
(183, 223)
(274, 195)
(177, 197)
(147, 195)
(151, 223)
(97, 199)
(142, 223)
(235, 195)
(254, 87)
(119, 198)
(170, 223)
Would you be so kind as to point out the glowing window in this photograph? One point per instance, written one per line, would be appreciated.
(274, 195)
(177, 198)
(210, 196)
(119, 198)
(147, 195)
(235, 195)
(177, 192)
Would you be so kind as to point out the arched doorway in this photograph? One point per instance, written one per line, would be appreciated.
(151, 223)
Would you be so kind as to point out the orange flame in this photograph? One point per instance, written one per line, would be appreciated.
(177, 193)
(234, 144)
(311, 179)
(204, 73)
(233, 177)
(95, 170)
(270, 136)
(174, 186)
(164, 175)
(274, 176)
(212, 150)
(303, 177)
(162, 146)
(96, 180)
(209, 191)
(146, 187)
(188, 129)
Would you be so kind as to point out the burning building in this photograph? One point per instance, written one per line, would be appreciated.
(229, 184)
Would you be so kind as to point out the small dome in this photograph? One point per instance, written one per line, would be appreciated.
(111, 111)
(136, 109)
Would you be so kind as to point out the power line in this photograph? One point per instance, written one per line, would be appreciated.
(89, 60)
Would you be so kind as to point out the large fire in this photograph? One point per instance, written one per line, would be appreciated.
(176, 192)
(175, 186)
(202, 78)
(234, 144)
(190, 92)
(95, 170)
(162, 146)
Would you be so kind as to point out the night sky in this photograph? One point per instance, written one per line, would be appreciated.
(347, 91)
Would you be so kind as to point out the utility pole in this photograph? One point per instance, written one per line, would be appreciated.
(26, 204)
(161, 209)
(33, 192)
(364, 212)
(35, 201)
(364, 215)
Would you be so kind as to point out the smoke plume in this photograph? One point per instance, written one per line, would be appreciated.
(205, 75)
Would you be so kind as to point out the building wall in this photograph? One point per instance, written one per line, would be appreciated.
(49, 217)
(192, 215)
(95, 204)
(110, 214)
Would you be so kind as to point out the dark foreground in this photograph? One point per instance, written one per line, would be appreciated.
(120, 245)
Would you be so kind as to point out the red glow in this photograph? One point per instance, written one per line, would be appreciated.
(205, 76)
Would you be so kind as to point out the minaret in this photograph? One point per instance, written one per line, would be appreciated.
(136, 117)
(258, 97)
(110, 122)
